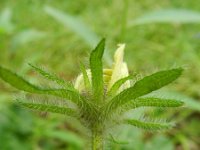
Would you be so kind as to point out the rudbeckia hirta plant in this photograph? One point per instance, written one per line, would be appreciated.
(100, 97)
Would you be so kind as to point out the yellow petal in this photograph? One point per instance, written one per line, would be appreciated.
(79, 83)
(110, 76)
(124, 74)
(119, 54)
(120, 69)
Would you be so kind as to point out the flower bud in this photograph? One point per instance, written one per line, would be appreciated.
(110, 76)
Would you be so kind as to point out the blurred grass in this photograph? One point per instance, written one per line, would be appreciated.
(29, 34)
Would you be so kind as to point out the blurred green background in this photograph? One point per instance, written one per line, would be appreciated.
(59, 34)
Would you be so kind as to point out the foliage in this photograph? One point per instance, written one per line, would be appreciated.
(40, 38)
(95, 109)
(22, 129)
(168, 16)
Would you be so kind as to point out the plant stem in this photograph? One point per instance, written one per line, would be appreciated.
(97, 140)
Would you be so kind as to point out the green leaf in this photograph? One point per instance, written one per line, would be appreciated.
(168, 16)
(148, 125)
(144, 86)
(6, 25)
(63, 93)
(112, 139)
(189, 102)
(53, 78)
(17, 82)
(49, 108)
(73, 23)
(76, 25)
(153, 102)
(74, 141)
(118, 84)
(21, 84)
(27, 36)
(85, 77)
(96, 67)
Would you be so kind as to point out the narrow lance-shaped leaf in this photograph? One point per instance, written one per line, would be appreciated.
(6, 24)
(153, 102)
(26, 36)
(168, 16)
(17, 82)
(74, 24)
(49, 108)
(53, 77)
(96, 67)
(112, 139)
(118, 84)
(85, 77)
(148, 125)
(21, 84)
(144, 86)
(63, 93)
(189, 102)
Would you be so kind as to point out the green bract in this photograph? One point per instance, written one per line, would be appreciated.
(100, 95)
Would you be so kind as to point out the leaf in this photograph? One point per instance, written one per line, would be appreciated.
(49, 108)
(85, 77)
(6, 26)
(118, 84)
(153, 102)
(53, 78)
(74, 141)
(26, 36)
(189, 102)
(63, 93)
(96, 67)
(167, 16)
(17, 82)
(21, 84)
(145, 86)
(133, 136)
(148, 125)
(78, 27)
(112, 139)
(74, 24)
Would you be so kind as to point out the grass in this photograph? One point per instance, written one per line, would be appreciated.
(148, 46)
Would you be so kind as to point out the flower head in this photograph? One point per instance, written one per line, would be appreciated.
(110, 76)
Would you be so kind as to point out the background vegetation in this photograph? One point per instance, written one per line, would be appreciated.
(59, 34)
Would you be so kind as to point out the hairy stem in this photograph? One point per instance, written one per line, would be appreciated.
(97, 140)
